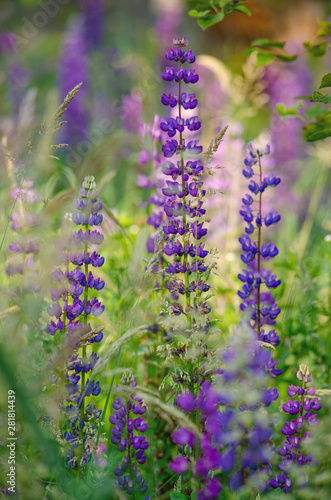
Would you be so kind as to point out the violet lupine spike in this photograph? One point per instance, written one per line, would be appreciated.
(302, 406)
(282, 85)
(71, 310)
(128, 434)
(131, 113)
(184, 224)
(153, 182)
(24, 248)
(94, 16)
(261, 304)
(229, 444)
(169, 19)
(73, 70)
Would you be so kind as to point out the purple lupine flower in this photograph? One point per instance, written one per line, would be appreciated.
(72, 287)
(18, 80)
(132, 113)
(260, 304)
(297, 429)
(7, 43)
(127, 435)
(169, 18)
(74, 69)
(94, 15)
(283, 84)
(184, 194)
(229, 442)
(153, 183)
(25, 249)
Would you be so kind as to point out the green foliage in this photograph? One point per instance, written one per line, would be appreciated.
(325, 29)
(326, 81)
(286, 57)
(268, 50)
(264, 42)
(316, 50)
(318, 130)
(210, 12)
(174, 495)
(263, 58)
(291, 112)
(207, 21)
(317, 96)
(25, 349)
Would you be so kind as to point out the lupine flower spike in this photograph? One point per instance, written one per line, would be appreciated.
(128, 434)
(302, 406)
(260, 304)
(184, 225)
(71, 319)
(154, 182)
(232, 441)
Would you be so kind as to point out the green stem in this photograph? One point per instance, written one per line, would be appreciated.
(83, 381)
(259, 257)
(129, 450)
(302, 405)
(187, 280)
(102, 419)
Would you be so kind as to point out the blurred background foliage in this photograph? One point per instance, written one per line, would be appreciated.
(116, 49)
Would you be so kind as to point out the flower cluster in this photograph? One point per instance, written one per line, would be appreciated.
(184, 193)
(127, 434)
(72, 288)
(74, 69)
(153, 182)
(25, 247)
(261, 304)
(302, 407)
(236, 433)
(282, 84)
(94, 18)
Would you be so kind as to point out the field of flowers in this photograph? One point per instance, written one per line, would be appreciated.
(165, 249)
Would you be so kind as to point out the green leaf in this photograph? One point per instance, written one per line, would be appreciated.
(319, 129)
(285, 112)
(243, 9)
(314, 111)
(325, 28)
(208, 21)
(326, 81)
(317, 96)
(318, 136)
(250, 51)
(174, 495)
(264, 42)
(264, 57)
(316, 50)
(195, 13)
(305, 97)
(286, 57)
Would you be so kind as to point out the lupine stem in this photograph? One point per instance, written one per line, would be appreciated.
(129, 449)
(258, 305)
(187, 280)
(104, 411)
(82, 409)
